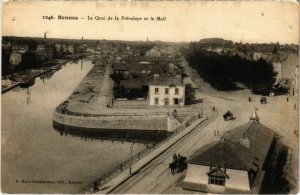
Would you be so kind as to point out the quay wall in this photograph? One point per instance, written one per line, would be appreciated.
(159, 123)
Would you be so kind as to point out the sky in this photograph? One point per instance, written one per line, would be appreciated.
(252, 22)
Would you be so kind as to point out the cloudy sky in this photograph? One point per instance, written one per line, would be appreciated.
(185, 21)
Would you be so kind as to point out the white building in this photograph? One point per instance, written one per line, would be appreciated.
(234, 164)
(166, 92)
(277, 69)
(295, 82)
(256, 56)
(71, 49)
(15, 58)
(40, 48)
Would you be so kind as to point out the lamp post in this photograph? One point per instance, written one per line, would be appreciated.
(130, 162)
(28, 96)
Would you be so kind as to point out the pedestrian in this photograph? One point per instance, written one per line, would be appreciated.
(96, 189)
(174, 158)
(214, 108)
(249, 99)
(287, 99)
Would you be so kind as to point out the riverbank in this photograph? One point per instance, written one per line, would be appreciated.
(33, 150)
(28, 77)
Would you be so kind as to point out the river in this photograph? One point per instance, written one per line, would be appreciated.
(34, 152)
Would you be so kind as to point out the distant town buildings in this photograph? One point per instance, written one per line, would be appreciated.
(150, 77)
(256, 56)
(154, 52)
(6, 44)
(20, 48)
(40, 49)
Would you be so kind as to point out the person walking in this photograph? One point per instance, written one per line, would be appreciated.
(96, 184)
(174, 158)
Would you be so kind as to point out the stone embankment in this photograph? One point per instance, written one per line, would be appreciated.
(86, 110)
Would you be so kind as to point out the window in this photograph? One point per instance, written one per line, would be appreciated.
(217, 180)
(156, 91)
(176, 101)
(167, 91)
(156, 101)
(167, 101)
(217, 176)
(176, 91)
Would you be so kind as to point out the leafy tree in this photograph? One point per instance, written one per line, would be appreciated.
(223, 71)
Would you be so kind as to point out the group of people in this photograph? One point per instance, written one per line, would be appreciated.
(175, 157)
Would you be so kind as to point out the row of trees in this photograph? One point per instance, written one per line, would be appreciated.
(222, 72)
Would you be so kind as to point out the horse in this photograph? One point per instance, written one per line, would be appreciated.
(172, 166)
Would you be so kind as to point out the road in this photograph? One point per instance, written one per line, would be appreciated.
(278, 114)
(105, 89)
(156, 177)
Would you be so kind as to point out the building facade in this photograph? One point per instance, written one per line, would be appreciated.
(295, 83)
(216, 180)
(15, 58)
(166, 92)
(277, 69)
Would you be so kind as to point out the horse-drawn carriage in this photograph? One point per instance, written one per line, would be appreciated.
(179, 164)
(263, 100)
(228, 116)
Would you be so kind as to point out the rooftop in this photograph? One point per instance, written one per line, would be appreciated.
(131, 84)
(231, 153)
(167, 81)
(224, 153)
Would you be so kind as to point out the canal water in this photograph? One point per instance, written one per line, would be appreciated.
(37, 159)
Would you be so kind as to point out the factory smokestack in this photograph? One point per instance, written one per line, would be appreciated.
(45, 36)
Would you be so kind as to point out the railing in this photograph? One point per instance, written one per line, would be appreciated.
(125, 165)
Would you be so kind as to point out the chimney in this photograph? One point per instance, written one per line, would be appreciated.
(254, 116)
(156, 76)
(45, 37)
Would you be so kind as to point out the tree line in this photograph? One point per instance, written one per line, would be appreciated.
(224, 71)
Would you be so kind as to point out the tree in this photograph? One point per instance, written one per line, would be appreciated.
(223, 71)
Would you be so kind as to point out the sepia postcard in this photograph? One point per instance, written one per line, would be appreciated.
(150, 97)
